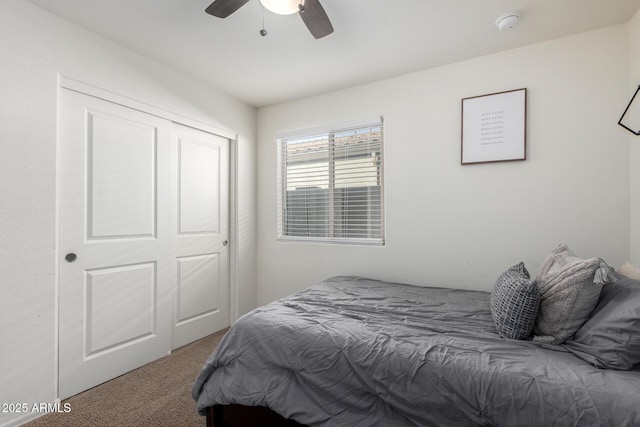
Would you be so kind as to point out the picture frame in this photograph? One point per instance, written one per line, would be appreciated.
(494, 127)
(630, 119)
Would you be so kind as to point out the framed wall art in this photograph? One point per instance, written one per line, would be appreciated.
(494, 127)
(630, 119)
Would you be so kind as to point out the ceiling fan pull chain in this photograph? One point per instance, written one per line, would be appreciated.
(263, 32)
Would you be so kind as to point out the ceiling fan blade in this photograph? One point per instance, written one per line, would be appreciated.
(224, 8)
(316, 19)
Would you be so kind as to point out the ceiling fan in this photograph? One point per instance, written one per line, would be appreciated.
(311, 12)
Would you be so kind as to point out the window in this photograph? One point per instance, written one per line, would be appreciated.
(331, 185)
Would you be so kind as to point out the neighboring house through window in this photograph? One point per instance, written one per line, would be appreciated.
(331, 185)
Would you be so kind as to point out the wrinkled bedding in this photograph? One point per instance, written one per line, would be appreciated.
(352, 351)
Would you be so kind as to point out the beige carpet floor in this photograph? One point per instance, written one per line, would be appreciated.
(157, 394)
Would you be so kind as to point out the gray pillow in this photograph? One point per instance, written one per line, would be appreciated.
(568, 294)
(514, 303)
(611, 337)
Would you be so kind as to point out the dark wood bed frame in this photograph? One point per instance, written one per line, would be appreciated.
(246, 416)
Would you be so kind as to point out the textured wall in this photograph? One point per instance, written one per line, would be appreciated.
(460, 226)
(634, 141)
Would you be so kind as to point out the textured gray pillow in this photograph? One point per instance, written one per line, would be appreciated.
(514, 303)
(611, 337)
(568, 294)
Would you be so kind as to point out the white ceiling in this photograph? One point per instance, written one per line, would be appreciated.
(373, 39)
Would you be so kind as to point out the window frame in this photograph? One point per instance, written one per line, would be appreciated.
(330, 131)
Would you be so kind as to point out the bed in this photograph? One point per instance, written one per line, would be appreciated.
(354, 351)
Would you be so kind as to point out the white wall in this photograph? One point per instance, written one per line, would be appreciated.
(460, 226)
(634, 141)
(34, 47)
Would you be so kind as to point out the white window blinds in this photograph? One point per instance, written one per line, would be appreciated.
(331, 185)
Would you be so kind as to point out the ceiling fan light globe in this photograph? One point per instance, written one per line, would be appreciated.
(281, 7)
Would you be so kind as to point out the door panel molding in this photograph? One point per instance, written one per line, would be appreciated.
(194, 273)
(112, 148)
(106, 288)
(198, 187)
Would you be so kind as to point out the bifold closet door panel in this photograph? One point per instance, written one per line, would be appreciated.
(115, 244)
(201, 234)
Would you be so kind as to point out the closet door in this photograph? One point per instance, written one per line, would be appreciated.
(115, 240)
(201, 234)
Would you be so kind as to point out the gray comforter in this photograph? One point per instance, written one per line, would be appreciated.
(358, 352)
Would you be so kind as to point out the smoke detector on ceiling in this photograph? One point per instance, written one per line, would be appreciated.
(507, 21)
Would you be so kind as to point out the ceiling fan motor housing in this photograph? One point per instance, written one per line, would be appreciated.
(311, 11)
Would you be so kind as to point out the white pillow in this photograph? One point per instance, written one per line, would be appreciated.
(628, 270)
(568, 294)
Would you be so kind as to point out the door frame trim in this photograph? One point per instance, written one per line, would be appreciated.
(96, 92)
(65, 82)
